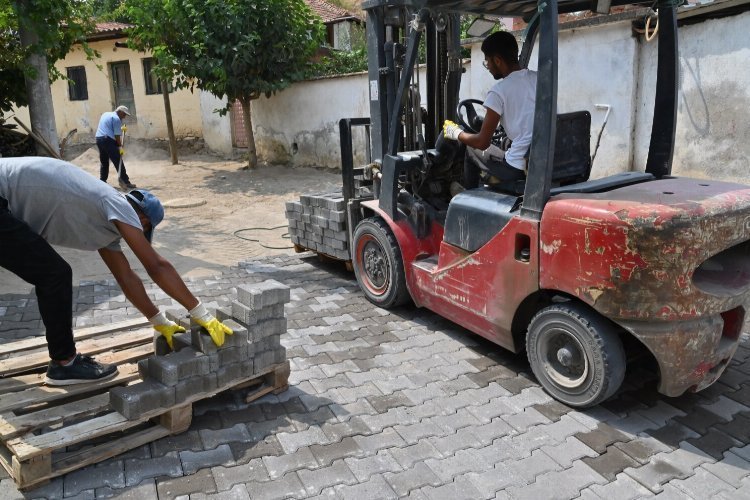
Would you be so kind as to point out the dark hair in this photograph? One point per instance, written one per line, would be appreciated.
(501, 44)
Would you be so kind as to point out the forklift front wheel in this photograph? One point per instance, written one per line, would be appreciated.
(378, 264)
(575, 354)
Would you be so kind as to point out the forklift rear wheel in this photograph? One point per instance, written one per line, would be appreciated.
(575, 354)
(378, 264)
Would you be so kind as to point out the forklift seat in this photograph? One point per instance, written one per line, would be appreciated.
(572, 161)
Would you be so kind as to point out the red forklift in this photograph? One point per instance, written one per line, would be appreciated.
(575, 271)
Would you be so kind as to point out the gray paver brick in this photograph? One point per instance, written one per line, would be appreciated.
(392, 417)
(213, 438)
(386, 439)
(726, 408)
(317, 480)
(146, 489)
(136, 470)
(193, 461)
(452, 466)
(410, 455)
(377, 488)
(288, 486)
(416, 477)
(568, 452)
(414, 433)
(460, 489)
(110, 474)
(237, 492)
(702, 484)
(227, 477)
(529, 417)
(462, 439)
(281, 465)
(365, 467)
(200, 482)
(559, 484)
(291, 442)
(732, 469)
(623, 487)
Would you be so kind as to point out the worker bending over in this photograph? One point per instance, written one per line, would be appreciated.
(45, 201)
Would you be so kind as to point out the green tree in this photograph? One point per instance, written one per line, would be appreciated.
(238, 49)
(34, 34)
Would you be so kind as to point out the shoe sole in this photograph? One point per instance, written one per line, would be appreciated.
(76, 381)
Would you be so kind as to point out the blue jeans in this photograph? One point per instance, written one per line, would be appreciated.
(109, 150)
(31, 258)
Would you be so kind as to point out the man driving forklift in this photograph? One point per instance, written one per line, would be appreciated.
(510, 103)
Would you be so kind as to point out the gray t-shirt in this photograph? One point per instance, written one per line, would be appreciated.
(64, 204)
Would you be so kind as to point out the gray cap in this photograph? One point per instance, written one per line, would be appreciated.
(124, 109)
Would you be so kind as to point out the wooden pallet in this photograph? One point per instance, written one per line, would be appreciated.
(49, 431)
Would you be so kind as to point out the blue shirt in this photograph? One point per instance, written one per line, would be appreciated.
(110, 125)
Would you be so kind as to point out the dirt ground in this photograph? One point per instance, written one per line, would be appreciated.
(213, 209)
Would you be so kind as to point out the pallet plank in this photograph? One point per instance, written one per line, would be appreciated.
(80, 334)
(44, 394)
(12, 426)
(30, 361)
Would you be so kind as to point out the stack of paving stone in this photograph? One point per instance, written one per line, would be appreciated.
(197, 366)
(318, 222)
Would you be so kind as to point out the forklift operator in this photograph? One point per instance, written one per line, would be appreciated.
(510, 102)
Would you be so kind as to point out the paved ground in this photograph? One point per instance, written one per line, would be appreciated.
(387, 404)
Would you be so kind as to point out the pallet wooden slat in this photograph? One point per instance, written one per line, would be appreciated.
(80, 334)
(39, 359)
(13, 426)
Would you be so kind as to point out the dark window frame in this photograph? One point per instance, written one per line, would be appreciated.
(150, 79)
(77, 84)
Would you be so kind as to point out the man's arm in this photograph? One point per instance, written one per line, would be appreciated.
(157, 267)
(484, 137)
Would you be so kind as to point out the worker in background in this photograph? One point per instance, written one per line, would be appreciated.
(45, 201)
(109, 142)
(510, 102)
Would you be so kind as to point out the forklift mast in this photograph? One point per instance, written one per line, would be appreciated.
(395, 33)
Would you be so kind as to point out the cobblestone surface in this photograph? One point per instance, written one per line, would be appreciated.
(402, 403)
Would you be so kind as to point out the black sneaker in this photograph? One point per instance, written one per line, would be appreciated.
(83, 369)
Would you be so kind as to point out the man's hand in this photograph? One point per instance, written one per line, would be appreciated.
(451, 130)
(216, 329)
(166, 327)
(122, 152)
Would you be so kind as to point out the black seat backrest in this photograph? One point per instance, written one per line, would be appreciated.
(572, 161)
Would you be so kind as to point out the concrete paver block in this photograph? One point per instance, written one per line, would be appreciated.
(173, 367)
(191, 386)
(267, 293)
(139, 398)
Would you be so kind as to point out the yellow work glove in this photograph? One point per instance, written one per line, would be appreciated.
(122, 152)
(124, 128)
(215, 328)
(451, 130)
(166, 327)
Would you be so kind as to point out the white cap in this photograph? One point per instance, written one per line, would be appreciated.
(124, 109)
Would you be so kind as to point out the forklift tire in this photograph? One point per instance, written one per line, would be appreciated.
(378, 264)
(575, 354)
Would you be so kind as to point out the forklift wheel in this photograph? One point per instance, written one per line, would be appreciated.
(378, 265)
(575, 354)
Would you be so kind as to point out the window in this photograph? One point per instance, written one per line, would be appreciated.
(77, 88)
(153, 84)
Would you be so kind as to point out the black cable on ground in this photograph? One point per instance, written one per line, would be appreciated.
(254, 240)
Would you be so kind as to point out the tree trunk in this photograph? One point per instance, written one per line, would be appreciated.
(41, 110)
(170, 126)
(252, 157)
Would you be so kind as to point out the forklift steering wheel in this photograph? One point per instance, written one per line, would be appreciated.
(473, 122)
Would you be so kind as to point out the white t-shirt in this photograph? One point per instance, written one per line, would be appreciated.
(513, 99)
(64, 204)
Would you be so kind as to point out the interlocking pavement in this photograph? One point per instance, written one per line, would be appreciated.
(402, 403)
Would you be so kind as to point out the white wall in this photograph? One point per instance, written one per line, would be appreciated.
(603, 65)
(712, 118)
(217, 130)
